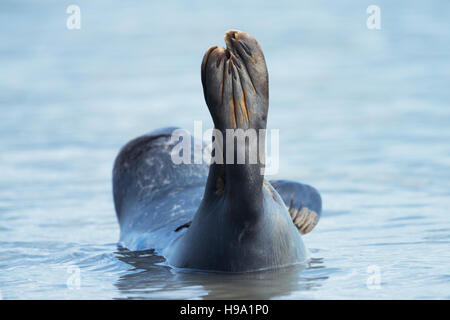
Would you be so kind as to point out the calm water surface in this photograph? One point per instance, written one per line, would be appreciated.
(364, 116)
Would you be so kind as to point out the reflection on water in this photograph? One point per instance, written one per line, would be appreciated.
(151, 278)
(363, 116)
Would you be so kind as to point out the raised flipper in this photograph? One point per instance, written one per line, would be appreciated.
(303, 202)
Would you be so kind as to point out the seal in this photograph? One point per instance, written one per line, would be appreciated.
(225, 217)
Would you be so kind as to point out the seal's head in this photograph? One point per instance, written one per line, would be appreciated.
(235, 83)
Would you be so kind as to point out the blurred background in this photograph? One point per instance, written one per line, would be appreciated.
(364, 116)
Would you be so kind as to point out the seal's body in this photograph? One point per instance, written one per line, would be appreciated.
(226, 217)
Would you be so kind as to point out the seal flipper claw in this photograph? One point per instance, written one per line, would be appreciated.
(303, 202)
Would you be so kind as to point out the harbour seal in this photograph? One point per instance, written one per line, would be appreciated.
(225, 217)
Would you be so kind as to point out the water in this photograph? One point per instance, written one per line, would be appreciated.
(363, 116)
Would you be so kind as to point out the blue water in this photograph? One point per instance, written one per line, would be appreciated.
(364, 116)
